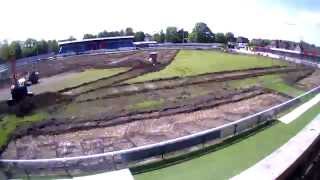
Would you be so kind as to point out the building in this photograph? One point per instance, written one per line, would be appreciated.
(107, 43)
(283, 44)
(242, 42)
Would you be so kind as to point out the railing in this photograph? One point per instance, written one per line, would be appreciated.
(4, 73)
(109, 161)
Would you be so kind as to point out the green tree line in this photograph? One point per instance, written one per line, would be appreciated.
(28, 48)
(201, 33)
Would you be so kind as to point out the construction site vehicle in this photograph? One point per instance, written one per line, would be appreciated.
(153, 58)
(19, 89)
(33, 77)
(19, 92)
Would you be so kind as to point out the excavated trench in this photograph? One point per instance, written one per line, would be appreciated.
(94, 119)
(139, 67)
(104, 111)
(111, 129)
(106, 92)
(152, 128)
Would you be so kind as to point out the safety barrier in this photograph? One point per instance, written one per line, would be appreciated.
(4, 73)
(71, 166)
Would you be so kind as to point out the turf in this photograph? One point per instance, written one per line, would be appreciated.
(75, 79)
(274, 82)
(193, 62)
(9, 123)
(145, 105)
(233, 159)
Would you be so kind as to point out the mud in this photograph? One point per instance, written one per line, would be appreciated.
(106, 92)
(98, 116)
(310, 81)
(137, 133)
(82, 62)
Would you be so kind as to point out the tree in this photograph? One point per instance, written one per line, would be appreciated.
(230, 37)
(42, 47)
(15, 51)
(129, 31)
(53, 46)
(71, 38)
(139, 36)
(89, 36)
(113, 33)
(156, 37)
(159, 37)
(162, 36)
(29, 48)
(30, 43)
(122, 33)
(182, 35)
(172, 34)
(241, 39)
(10, 52)
(4, 51)
(260, 42)
(220, 38)
(201, 33)
(103, 34)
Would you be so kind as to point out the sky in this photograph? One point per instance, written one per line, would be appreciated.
(58, 19)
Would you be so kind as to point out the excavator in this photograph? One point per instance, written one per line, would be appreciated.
(19, 87)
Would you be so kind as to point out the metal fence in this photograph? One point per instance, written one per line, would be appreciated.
(4, 73)
(71, 166)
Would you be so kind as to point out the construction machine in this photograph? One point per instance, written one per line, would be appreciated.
(19, 88)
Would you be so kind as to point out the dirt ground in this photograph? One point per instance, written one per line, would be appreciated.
(55, 71)
(81, 62)
(105, 115)
(311, 81)
(176, 82)
(137, 133)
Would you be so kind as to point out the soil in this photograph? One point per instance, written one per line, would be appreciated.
(102, 115)
(119, 90)
(137, 133)
(78, 116)
(69, 65)
(311, 81)
(81, 62)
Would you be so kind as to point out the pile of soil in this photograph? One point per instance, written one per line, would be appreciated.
(310, 81)
(135, 133)
(62, 124)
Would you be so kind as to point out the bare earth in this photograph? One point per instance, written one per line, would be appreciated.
(138, 133)
(311, 81)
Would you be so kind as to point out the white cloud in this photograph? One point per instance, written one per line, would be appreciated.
(57, 19)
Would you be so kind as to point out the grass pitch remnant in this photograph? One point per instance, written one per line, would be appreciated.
(9, 123)
(193, 62)
(274, 81)
(75, 79)
(148, 104)
(233, 159)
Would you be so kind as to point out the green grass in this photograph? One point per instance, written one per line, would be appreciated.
(274, 82)
(148, 104)
(9, 123)
(233, 159)
(192, 62)
(76, 79)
